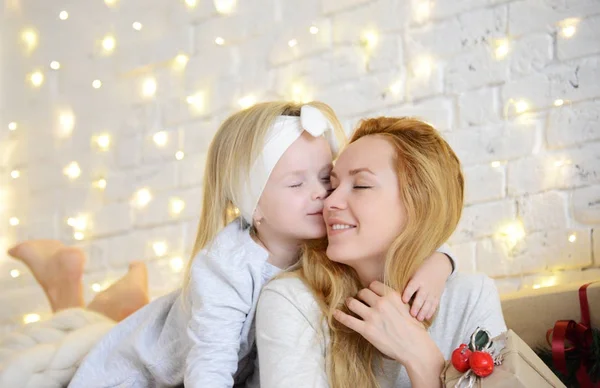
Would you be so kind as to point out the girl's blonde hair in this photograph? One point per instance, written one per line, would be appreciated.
(232, 152)
(431, 187)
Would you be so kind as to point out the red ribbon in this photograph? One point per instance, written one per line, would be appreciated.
(580, 337)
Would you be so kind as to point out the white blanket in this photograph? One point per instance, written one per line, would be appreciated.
(46, 354)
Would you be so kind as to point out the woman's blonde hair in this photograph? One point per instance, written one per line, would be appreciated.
(232, 152)
(431, 187)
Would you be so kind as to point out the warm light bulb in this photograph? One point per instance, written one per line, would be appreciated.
(179, 155)
(293, 43)
(423, 66)
(36, 78)
(180, 61)
(142, 197)
(559, 102)
(99, 183)
(521, 106)
(63, 15)
(225, 6)
(15, 273)
(247, 102)
(422, 10)
(109, 43)
(15, 174)
(314, 30)
(14, 221)
(176, 206)
(149, 87)
(160, 138)
(78, 236)
(512, 233)
(496, 164)
(176, 264)
(196, 100)
(501, 48)
(54, 65)
(66, 122)
(110, 3)
(219, 41)
(370, 39)
(12, 126)
(96, 287)
(30, 38)
(103, 141)
(78, 223)
(573, 238)
(72, 170)
(159, 248)
(137, 26)
(190, 3)
(96, 84)
(31, 318)
(568, 31)
(396, 87)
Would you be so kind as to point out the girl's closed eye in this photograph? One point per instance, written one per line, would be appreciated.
(296, 184)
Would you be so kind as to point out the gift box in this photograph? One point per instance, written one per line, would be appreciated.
(530, 314)
(519, 367)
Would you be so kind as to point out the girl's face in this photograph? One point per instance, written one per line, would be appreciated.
(364, 213)
(291, 204)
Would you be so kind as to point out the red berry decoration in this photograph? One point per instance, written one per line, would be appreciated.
(481, 363)
(460, 358)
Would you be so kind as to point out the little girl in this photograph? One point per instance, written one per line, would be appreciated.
(270, 164)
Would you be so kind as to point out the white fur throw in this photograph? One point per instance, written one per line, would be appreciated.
(46, 354)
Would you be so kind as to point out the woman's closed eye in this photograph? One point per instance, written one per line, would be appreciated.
(360, 187)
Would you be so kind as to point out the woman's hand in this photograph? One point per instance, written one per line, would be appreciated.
(385, 322)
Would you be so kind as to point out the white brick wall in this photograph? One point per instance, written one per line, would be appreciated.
(526, 125)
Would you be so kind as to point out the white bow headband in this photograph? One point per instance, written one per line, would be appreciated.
(284, 131)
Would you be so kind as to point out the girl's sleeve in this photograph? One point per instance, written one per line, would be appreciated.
(221, 298)
(445, 249)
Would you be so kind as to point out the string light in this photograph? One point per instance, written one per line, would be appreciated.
(225, 7)
(66, 122)
(496, 164)
(15, 174)
(512, 233)
(314, 30)
(299, 93)
(247, 101)
(15, 273)
(572, 237)
(179, 155)
(176, 264)
(36, 78)
(149, 87)
(12, 126)
(180, 61)
(30, 38)
(137, 26)
(96, 287)
(219, 41)
(293, 43)
(549, 282)
(196, 101)
(370, 39)
(54, 65)
(190, 3)
(109, 43)
(103, 141)
(160, 138)
(78, 223)
(72, 170)
(31, 318)
(99, 184)
(568, 27)
(142, 197)
(502, 48)
(96, 84)
(562, 162)
(78, 236)
(110, 3)
(14, 221)
(559, 102)
(396, 87)
(422, 11)
(521, 106)
(63, 15)
(422, 66)
(176, 205)
(159, 248)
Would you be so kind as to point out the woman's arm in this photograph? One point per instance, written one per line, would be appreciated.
(291, 352)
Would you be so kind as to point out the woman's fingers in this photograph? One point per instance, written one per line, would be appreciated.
(349, 321)
(368, 296)
(358, 307)
(380, 288)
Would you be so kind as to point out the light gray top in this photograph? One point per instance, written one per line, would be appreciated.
(206, 338)
(292, 336)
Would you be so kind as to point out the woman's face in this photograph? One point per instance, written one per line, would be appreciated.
(364, 213)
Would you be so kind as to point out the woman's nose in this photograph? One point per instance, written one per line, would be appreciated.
(335, 201)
